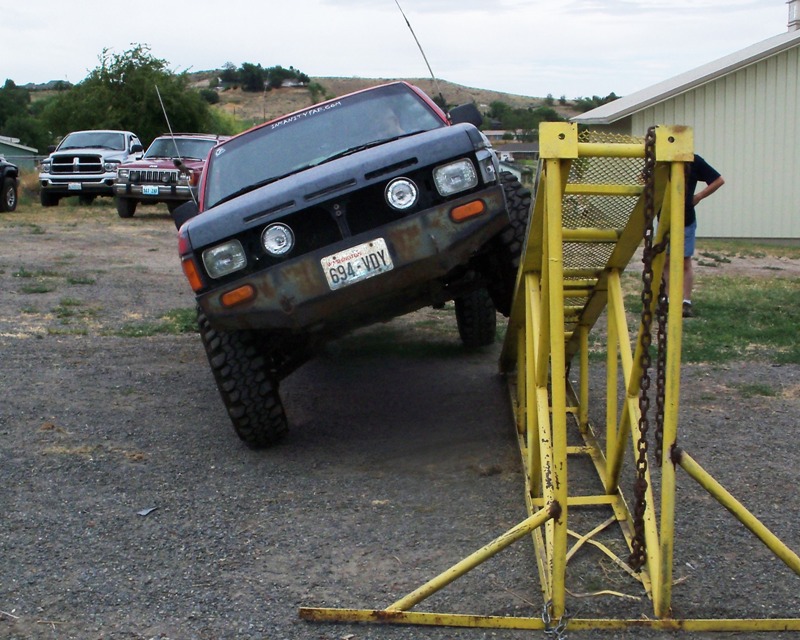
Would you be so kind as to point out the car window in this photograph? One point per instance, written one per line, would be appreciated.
(96, 139)
(314, 136)
(183, 147)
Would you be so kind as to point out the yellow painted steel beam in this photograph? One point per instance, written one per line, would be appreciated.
(537, 624)
(473, 560)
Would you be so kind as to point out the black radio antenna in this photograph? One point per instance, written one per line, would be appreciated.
(424, 57)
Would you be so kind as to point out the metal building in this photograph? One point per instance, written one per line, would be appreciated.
(744, 109)
(22, 156)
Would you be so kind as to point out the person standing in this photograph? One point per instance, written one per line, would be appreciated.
(698, 171)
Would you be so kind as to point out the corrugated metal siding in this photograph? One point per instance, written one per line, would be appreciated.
(745, 125)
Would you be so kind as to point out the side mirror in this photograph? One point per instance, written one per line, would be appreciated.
(466, 113)
(184, 212)
(51, 148)
(136, 148)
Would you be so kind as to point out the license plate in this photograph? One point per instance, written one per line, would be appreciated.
(150, 190)
(74, 186)
(357, 263)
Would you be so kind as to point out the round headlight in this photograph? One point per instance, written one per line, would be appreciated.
(278, 239)
(401, 193)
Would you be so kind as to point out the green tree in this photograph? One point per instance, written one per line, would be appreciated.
(587, 104)
(253, 77)
(13, 101)
(123, 93)
(229, 74)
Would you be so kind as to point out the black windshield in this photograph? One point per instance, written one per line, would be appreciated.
(314, 136)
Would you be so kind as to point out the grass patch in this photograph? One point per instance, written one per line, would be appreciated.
(739, 318)
(22, 272)
(38, 287)
(173, 322)
(756, 389)
(744, 318)
(80, 280)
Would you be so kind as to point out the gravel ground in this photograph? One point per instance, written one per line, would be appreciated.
(131, 511)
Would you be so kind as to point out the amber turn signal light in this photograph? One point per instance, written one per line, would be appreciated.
(191, 273)
(238, 295)
(461, 213)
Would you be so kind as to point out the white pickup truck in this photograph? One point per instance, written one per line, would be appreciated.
(85, 164)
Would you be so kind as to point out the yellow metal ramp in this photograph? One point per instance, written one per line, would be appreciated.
(597, 198)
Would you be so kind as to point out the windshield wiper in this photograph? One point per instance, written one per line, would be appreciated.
(255, 185)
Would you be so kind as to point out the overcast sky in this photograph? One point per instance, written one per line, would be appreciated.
(572, 48)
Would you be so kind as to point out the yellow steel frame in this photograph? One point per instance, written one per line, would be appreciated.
(587, 222)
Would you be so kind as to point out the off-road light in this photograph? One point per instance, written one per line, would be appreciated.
(401, 194)
(278, 239)
(224, 259)
(455, 177)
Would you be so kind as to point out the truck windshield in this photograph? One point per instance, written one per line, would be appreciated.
(179, 147)
(93, 140)
(314, 136)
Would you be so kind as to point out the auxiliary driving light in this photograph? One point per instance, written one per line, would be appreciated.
(401, 194)
(278, 239)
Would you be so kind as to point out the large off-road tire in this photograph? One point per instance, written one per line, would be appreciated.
(476, 318)
(126, 207)
(506, 258)
(8, 197)
(248, 387)
(48, 199)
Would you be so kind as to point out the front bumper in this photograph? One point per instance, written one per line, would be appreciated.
(77, 185)
(164, 193)
(426, 247)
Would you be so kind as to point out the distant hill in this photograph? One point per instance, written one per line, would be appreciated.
(271, 104)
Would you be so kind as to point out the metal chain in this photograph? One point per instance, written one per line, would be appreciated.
(661, 367)
(559, 632)
(638, 554)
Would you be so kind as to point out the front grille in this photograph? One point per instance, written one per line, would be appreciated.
(161, 176)
(82, 164)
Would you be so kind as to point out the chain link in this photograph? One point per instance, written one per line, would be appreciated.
(638, 554)
(558, 632)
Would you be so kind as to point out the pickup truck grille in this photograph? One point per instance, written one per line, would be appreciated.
(81, 164)
(154, 175)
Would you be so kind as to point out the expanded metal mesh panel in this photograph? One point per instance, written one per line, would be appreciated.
(607, 212)
(603, 212)
(580, 255)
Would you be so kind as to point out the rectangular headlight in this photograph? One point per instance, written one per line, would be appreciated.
(224, 259)
(455, 177)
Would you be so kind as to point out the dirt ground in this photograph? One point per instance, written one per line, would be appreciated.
(130, 511)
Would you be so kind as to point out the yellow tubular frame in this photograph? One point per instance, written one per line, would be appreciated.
(545, 334)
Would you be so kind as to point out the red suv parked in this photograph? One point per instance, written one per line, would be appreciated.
(169, 172)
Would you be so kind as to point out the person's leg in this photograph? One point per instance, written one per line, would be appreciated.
(688, 279)
(688, 251)
(688, 269)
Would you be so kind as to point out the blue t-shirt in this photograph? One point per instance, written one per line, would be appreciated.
(699, 171)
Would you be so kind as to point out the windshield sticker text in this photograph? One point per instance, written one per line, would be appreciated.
(305, 114)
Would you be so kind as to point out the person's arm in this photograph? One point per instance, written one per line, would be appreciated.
(710, 188)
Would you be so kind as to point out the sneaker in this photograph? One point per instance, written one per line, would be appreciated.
(688, 312)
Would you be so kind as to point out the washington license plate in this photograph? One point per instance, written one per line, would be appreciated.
(357, 263)
(74, 186)
(149, 190)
